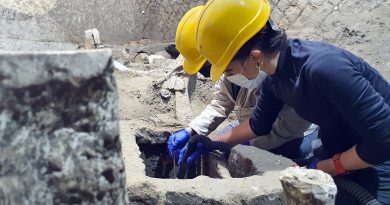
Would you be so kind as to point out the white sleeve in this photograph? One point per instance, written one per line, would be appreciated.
(215, 113)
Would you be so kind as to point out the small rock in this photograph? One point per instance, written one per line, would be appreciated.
(141, 58)
(123, 55)
(308, 186)
(169, 83)
(120, 66)
(92, 39)
(172, 50)
(151, 49)
(152, 58)
(174, 83)
(165, 54)
(165, 94)
(179, 84)
(147, 136)
(167, 64)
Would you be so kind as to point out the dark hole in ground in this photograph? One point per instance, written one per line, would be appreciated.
(153, 147)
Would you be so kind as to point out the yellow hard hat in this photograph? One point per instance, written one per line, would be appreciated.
(225, 26)
(186, 41)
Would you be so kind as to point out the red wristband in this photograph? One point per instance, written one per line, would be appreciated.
(340, 170)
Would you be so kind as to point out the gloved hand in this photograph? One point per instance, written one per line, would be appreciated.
(313, 163)
(200, 149)
(176, 141)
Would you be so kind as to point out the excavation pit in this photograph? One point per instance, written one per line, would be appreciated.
(154, 153)
(145, 188)
(153, 147)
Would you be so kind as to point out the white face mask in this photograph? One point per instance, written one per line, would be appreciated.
(240, 80)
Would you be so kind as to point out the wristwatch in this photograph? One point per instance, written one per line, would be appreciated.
(340, 170)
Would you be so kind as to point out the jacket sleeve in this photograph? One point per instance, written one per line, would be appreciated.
(266, 110)
(288, 126)
(354, 96)
(216, 112)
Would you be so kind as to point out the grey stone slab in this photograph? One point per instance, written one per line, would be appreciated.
(246, 161)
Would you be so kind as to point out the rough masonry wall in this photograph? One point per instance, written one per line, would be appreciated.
(361, 27)
(158, 19)
(59, 134)
(60, 24)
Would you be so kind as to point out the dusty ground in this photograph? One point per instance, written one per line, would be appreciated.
(141, 102)
(138, 100)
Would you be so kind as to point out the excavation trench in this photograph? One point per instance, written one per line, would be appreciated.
(158, 163)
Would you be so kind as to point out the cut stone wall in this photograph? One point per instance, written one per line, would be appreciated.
(59, 135)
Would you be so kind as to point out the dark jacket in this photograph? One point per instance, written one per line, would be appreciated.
(334, 89)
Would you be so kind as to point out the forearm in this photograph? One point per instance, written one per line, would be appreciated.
(237, 135)
(215, 113)
(210, 118)
(349, 159)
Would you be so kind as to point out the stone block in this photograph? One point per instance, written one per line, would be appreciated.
(152, 49)
(59, 134)
(308, 186)
(164, 54)
(246, 161)
(172, 50)
(92, 39)
(141, 58)
(123, 56)
(154, 58)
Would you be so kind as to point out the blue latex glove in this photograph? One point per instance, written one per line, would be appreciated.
(176, 141)
(200, 149)
(313, 164)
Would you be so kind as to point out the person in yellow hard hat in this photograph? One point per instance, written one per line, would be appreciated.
(186, 42)
(326, 85)
(288, 131)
